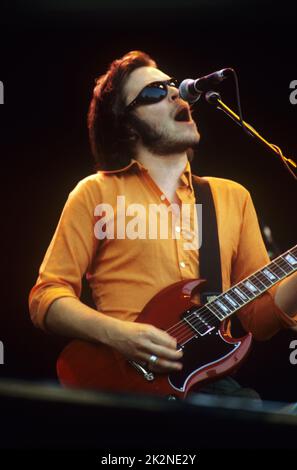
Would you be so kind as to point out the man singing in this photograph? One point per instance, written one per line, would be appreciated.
(141, 134)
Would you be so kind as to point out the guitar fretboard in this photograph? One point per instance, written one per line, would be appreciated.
(223, 306)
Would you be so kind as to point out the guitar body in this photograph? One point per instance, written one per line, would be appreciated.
(205, 358)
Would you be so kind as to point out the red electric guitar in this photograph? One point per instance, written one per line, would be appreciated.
(201, 331)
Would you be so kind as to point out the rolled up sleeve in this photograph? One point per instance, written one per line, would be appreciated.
(68, 256)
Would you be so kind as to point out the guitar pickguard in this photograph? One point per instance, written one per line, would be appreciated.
(201, 353)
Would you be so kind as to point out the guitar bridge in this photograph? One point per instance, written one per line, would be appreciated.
(148, 375)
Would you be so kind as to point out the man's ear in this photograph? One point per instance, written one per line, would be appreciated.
(126, 129)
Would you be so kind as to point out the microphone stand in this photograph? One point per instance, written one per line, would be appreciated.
(214, 98)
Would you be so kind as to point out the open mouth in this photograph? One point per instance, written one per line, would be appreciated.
(182, 115)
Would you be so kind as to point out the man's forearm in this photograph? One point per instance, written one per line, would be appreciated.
(68, 316)
(138, 341)
(286, 295)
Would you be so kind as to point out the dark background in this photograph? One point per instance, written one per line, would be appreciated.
(50, 53)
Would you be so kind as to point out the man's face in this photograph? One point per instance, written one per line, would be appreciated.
(165, 127)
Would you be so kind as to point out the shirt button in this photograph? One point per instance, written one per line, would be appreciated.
(177, 228)
(162, 197)
(182, 264)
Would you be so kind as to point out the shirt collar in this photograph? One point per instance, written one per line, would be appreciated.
(133, 164)
(186, 176)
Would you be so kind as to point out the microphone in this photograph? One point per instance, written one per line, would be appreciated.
(190, 90)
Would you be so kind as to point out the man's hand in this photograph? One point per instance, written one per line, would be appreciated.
(286, 295)
(138, 342)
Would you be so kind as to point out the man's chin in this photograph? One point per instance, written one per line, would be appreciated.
(179, 147)
(179, 140)
(192, 143)
(189, 133)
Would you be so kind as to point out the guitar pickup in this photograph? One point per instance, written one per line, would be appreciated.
(196, 322)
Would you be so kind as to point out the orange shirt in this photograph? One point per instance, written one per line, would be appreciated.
(124, 274)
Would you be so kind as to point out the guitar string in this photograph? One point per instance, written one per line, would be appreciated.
(240, 284)
(186, 328)
(206, 310)
(212, 314)
(182, 327)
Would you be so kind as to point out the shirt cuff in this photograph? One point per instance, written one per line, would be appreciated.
(40, 305)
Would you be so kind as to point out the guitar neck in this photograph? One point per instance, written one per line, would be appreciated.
(253, 286)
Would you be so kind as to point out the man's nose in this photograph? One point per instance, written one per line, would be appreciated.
(173, 93)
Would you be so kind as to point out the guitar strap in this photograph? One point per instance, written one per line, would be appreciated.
(209, 252)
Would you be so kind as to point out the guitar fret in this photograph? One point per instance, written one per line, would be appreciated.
(215, 311)
(291, 259)
(256, 281)
(265, 279)
(250, 286)
(270, 275)
(248, 289)
(230, 304)
(276, 269)
(236, 297)
(286, 265)
(220, 313)
(241, 294)
(228, 298)
(219, 302)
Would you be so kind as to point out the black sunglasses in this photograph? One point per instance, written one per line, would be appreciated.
(153, 93)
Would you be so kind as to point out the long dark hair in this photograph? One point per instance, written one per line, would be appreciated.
(111, 143)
